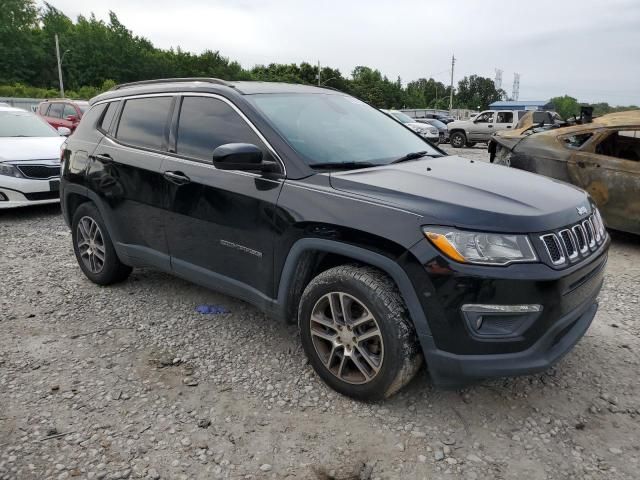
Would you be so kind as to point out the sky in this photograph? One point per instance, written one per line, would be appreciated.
(589, 49)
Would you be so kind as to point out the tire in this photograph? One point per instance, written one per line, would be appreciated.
(340, 360)
(91, 240)
(458, 139)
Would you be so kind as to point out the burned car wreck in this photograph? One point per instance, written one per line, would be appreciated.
(602, 157)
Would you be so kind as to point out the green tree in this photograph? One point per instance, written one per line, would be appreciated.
(475, 92)
(18, 46)
(566, 106)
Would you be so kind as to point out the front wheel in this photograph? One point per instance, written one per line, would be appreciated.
(458, 139)
(356, 332)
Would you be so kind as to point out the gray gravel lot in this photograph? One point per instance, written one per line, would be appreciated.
(129, 381)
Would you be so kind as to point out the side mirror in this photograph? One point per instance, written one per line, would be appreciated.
(241, 156)
(72, 118)
(64, 131)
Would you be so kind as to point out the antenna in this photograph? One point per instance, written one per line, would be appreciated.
(498, 81)
(516, 86)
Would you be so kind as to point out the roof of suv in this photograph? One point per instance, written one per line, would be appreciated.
(207, 84)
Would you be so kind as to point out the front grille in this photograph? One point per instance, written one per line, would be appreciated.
(574, 241)
(39, 171)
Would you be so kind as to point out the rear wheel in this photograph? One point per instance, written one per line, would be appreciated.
(458, 139)
(93, 247)
(356, 332)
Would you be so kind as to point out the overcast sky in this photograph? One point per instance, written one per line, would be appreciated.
(588, 49)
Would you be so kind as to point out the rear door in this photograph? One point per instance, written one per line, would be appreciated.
(608, 167)
(220, 226)
(504, 120)
(125, 172)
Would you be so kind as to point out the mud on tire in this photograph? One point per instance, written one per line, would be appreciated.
(391, 356)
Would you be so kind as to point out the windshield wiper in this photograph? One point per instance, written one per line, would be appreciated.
(343, 165)
(415, 156)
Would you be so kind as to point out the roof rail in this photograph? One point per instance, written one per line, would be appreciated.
(173, 80)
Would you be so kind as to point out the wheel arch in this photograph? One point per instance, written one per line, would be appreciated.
(304, 254)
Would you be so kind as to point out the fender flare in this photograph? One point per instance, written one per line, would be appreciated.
(377, 260)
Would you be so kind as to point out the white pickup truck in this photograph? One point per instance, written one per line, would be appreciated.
(467, 132)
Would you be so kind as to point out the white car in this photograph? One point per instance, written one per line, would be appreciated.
(29, 159)
(426, 131)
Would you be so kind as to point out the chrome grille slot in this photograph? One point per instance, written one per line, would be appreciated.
(588, 228)
(581, 239)
(569, 244)
(552, 244)
(596, 229)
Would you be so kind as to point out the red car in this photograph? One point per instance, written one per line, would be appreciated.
(63, 112)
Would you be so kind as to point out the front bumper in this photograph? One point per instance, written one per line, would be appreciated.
(22, 192)
(457, 353)
(451, 370)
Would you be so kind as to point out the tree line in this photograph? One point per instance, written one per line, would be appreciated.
(98, 55)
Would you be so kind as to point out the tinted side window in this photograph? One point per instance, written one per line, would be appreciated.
(55, 110)
(89, 120)
(505, 117)
(69, 110)
(144, 121)
(112, 107)
(207, 123)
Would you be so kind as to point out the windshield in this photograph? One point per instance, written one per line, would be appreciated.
(24, 124)
(403, 117)
(328, 128)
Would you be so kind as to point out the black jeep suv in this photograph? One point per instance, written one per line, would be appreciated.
(321, 210)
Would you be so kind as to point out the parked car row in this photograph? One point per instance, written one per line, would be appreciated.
(426, 131)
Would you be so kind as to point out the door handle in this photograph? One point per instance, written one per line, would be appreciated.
(103, 157)
(490, 126)
(508, 126)
(178, 178)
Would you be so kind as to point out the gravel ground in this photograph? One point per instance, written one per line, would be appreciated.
(129, 382)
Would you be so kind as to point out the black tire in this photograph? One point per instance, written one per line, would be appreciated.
(399, 356)
(458, 139)
(110, 269)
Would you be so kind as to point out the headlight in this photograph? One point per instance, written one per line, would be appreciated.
(433, 131)
(481, 248)
(10, 170)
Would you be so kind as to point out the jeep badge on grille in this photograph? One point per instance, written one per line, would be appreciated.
(582, 210)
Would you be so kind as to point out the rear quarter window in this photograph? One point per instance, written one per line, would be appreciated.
(89, 120)
(143, 122)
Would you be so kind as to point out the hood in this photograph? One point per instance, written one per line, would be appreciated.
(453, 191)
(30, 148)
(459, 124)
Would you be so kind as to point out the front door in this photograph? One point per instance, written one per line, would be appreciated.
(609, 169)
(220, 225)
(483, 127)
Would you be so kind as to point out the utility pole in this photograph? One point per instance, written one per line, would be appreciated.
(59, 67)
(453, 62)
(318, 72)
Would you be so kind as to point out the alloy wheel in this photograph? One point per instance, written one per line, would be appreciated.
(347, 338)
(91, 244)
